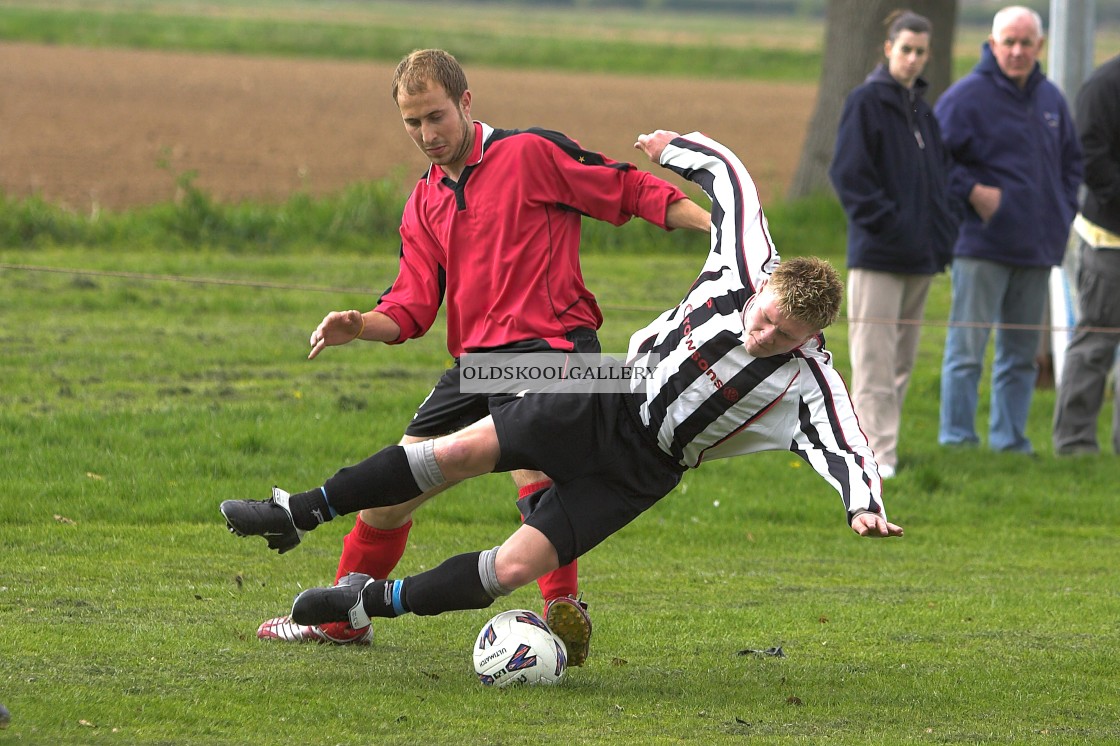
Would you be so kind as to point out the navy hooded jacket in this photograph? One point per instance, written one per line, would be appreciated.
(1022, 141)
(890, 169)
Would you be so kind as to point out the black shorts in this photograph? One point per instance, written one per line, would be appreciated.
(605, 466)
(446, 409)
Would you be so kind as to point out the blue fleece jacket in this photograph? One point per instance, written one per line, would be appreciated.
(1022, 141)
(890, 169)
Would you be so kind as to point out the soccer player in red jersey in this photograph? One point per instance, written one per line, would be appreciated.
(492, 232)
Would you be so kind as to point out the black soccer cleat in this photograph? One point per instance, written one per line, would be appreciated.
(341, 602)
(269, 518)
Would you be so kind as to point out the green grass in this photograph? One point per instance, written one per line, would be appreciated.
(131, 406)
(592, 40)
(645, 43)
(651, 41)
(363, 218)
(355, 218)
(169, 373)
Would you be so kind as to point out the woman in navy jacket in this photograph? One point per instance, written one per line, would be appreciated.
(891, 172)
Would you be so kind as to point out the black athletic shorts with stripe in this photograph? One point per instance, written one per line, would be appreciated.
(605, 465)
(446, 409)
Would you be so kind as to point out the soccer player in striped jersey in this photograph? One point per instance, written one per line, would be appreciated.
(738, 366)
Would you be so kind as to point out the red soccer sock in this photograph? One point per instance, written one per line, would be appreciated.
(372, 551)
(563, 581)
(369, 550)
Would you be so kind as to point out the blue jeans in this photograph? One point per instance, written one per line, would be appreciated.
(986, 293)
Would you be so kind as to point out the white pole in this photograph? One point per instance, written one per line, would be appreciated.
(1070, 41)
(1070, 61)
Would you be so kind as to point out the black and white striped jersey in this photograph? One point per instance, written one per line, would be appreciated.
(707, 397)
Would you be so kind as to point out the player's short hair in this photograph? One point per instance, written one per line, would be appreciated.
(808, 289)
(423, 66)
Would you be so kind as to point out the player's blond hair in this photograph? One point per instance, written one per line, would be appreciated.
(424, 66)
(808, 289)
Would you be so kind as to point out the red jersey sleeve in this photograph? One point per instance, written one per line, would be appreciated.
(416, 294)
(600, 187)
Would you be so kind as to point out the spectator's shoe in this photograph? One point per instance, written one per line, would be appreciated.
(1078, 450)
(269, 518)
(567, 617)
(336, 633)
(341, 602)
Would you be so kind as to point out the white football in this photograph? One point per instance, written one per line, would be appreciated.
(517, 647)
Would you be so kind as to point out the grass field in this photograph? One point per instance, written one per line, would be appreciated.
(154, 364)
(132, 406)
(586, 39)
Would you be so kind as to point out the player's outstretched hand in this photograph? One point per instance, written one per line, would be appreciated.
(874, 526)
(654, 143)
(336, 328)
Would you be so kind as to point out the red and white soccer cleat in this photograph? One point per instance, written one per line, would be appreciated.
(335, 633)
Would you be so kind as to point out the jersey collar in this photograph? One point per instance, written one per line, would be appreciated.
(482, 132)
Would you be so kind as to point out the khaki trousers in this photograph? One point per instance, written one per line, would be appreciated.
(884, 315)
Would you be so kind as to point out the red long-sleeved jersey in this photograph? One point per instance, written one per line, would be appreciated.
(502, 244)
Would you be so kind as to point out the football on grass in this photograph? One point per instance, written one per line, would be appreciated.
(517, 647)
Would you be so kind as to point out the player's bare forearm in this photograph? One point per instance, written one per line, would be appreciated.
(684, 213)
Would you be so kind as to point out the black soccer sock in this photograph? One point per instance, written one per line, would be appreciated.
(382, 598)
(385, 478)
(309, 509)
(453, 585)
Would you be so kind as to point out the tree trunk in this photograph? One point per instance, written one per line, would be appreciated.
(854, 36)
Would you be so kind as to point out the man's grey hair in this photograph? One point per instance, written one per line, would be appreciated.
(1006, 15)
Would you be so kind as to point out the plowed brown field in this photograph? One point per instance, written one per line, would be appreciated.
(89, 128)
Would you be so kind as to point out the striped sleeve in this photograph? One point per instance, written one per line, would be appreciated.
(740, 237)
(829, 439)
